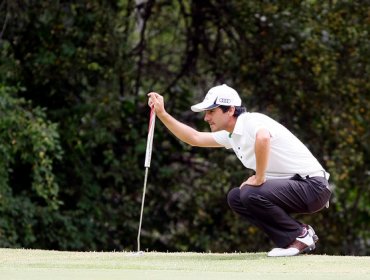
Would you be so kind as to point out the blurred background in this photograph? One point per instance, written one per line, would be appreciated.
(73, 118)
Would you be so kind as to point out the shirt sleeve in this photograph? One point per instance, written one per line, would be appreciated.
(253, 127)
(261, 126)
(222, 138)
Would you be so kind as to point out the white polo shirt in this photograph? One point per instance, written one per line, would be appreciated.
(288, 155)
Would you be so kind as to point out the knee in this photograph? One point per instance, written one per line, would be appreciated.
(249, 197)
(233, 197)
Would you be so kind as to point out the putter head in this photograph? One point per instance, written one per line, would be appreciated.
(137, 254)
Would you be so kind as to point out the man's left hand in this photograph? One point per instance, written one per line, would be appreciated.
(253, 181)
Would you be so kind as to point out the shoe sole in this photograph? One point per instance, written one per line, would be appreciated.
(308, 249)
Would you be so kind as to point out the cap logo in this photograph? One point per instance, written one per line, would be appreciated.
(224, 100)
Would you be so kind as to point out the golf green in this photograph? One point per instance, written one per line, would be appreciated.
(40, 264)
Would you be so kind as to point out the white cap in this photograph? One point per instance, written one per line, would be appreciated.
(216, 96)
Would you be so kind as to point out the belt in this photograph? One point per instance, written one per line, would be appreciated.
(320, 173)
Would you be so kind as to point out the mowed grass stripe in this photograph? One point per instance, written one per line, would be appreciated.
(40, 264)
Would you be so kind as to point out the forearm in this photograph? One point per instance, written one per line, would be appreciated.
(182, 131)
(262, 152)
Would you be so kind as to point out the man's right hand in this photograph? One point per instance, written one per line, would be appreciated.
(156, 101)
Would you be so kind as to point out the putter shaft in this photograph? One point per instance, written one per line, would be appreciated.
(148, 156)
(142, 209)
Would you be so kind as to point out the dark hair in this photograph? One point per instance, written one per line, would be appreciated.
(238, 110)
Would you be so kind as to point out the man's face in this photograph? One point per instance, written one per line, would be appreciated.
(216, 119)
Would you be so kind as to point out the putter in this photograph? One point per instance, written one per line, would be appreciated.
(148, 156)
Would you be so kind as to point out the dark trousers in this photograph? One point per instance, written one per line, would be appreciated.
(269, 206)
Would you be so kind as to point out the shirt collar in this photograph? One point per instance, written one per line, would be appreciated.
(238, 129)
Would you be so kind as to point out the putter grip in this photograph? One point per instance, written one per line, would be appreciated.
(149, 142)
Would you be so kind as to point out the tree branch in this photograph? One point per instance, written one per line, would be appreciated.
(147, 11)
(6, 18)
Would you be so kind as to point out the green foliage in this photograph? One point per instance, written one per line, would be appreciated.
(28, 139)
(29, 145)
(90, 65)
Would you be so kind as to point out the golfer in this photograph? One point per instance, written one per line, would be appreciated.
(288, 178)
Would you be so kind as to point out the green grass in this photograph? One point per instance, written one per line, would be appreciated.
(55, 265)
